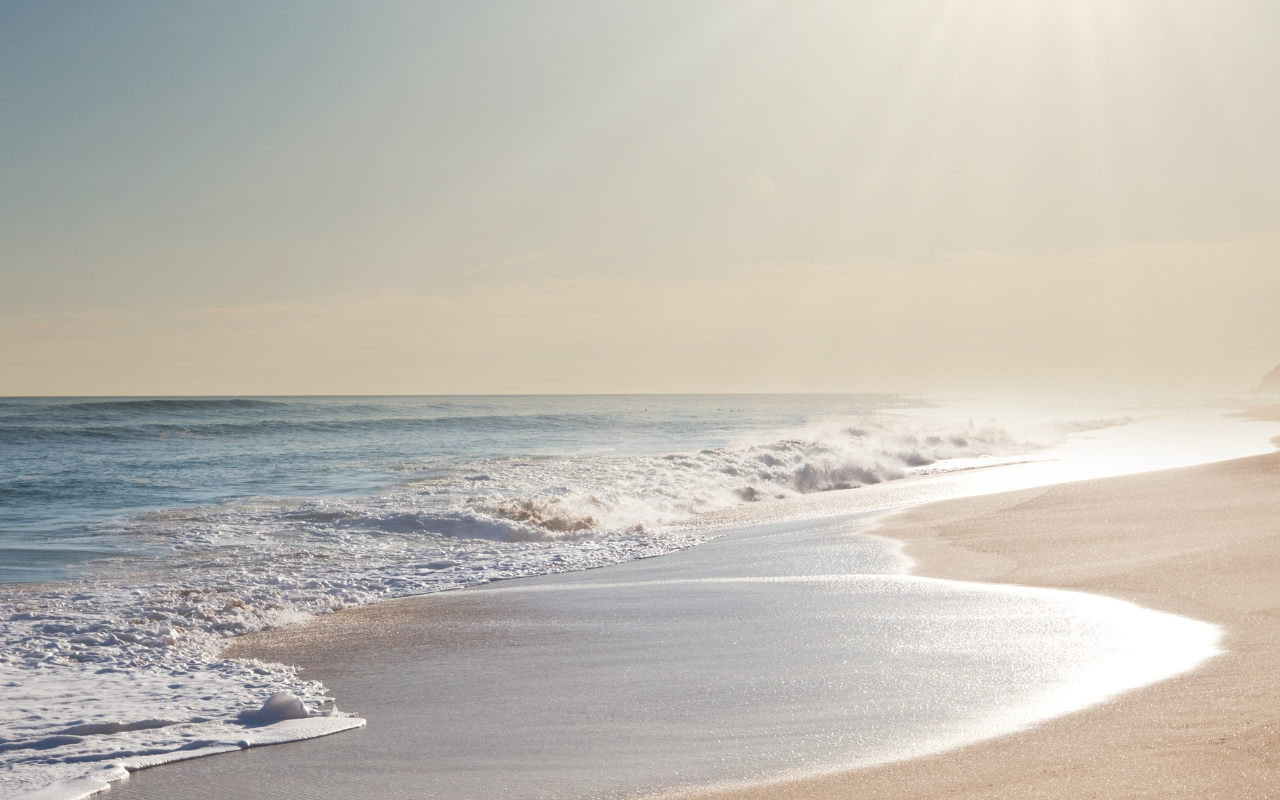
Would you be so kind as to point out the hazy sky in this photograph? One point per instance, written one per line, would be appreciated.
(565, 196)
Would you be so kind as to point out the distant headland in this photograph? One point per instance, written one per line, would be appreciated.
(1270, 383)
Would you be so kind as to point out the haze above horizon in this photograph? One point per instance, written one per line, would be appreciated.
(573, 197)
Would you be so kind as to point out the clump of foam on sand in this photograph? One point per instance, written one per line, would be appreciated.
(279, 706)
(284, 717)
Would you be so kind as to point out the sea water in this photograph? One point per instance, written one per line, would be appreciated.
(138, 534)
(773, 650)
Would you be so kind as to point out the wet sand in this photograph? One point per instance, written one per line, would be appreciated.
(772, 650)
(1202, 542)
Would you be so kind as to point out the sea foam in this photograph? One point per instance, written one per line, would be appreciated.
(122, 667)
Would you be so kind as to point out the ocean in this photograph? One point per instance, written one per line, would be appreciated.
(137, 535)
(82, 480)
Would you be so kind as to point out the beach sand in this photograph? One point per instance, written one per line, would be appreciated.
(1202, 542)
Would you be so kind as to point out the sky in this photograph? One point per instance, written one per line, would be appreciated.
(570, 196)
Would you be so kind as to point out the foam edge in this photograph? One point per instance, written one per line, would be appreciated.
(100, 780)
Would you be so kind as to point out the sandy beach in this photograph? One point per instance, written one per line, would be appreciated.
(1203, 542)
(662, 400)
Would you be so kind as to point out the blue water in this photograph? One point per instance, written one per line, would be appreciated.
(148, 531)
(72, 469)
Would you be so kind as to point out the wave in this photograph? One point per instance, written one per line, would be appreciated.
(574, 498)
(124, 419)
(567, 498)
(87, 423)
(171, 405)
(108, 649)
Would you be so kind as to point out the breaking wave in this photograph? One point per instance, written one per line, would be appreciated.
(573, 497)
(128, 657)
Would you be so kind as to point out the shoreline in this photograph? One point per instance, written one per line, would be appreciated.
(1201, 542)
(937, 555)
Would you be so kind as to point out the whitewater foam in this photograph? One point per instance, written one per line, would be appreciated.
(124, 662)
(107, 670)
